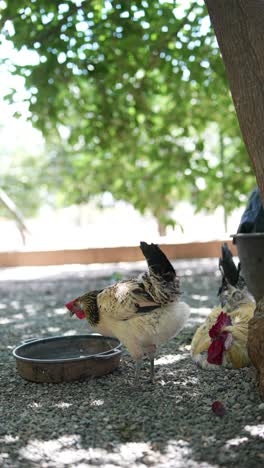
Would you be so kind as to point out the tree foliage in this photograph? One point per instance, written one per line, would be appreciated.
(131, 95)
(20, 175)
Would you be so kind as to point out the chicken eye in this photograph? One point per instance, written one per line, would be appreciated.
(237, 295)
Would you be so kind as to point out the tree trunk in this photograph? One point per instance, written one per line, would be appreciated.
(239, 29)
(162, 228)
(222, 161)
(12, 208)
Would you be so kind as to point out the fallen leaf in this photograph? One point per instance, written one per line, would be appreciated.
(218, 408)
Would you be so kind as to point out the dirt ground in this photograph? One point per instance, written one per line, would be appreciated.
(107, 421)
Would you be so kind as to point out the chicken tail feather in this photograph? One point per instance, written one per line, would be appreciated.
(157, 261)
(227, 266)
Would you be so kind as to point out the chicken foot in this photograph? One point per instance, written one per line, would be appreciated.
(150, 353)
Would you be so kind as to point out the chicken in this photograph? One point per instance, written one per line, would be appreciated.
(222, 339)
(255, 343)
(142, 313)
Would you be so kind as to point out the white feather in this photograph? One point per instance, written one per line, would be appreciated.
(143, 331)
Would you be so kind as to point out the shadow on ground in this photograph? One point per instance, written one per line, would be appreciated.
(106, 421)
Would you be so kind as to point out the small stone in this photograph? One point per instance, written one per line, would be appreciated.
(148, 460)
(236, 406)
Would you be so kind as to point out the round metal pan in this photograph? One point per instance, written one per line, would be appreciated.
(67, 358)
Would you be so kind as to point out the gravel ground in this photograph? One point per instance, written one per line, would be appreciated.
(106, 421)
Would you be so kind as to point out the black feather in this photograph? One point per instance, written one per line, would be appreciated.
(231, 275)
(228, 266)
(146, 309)
(157, 261)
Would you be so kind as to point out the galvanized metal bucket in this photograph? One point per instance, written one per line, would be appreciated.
(250, 249)
(67, 358)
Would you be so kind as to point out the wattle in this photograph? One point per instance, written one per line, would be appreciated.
(80, 314)
(216, 352)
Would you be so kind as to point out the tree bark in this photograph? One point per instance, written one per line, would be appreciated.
(239, 29)
(162, 228)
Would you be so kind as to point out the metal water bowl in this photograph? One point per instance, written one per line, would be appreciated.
(67, 358)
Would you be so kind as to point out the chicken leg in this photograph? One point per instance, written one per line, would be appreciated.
(150, 353)
(152, 367)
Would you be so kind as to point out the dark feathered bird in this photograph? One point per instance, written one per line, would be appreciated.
(142, 312)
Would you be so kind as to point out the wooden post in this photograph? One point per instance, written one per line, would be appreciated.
(239, 29)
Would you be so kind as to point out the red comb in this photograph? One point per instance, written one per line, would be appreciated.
(74, 309)
(223, 320)
(70, 305)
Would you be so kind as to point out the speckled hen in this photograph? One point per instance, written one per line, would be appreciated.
(142, 313)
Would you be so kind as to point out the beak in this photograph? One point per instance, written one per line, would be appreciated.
(75, 309)
(70, 307)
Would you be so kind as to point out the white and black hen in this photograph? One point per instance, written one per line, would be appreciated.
(142, 312)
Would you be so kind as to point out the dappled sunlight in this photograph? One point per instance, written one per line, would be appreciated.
(35, 405)
(53, 329)
(14, 317)
(256, 430)
(30, 309)
(200, 298)
(106, 421)
(201, 311)
(60, 311)
(61, 450)
(189, 380)
(18, 316)
(97, 402)
(236, 441)
(63, 405)
(6, 320)
(169, 359)
(72, 332)
(179, 450)
(21, 326)
(9, 439)
(198, 316)
(68, 450)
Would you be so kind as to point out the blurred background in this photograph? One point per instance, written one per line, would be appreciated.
(116, 125)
